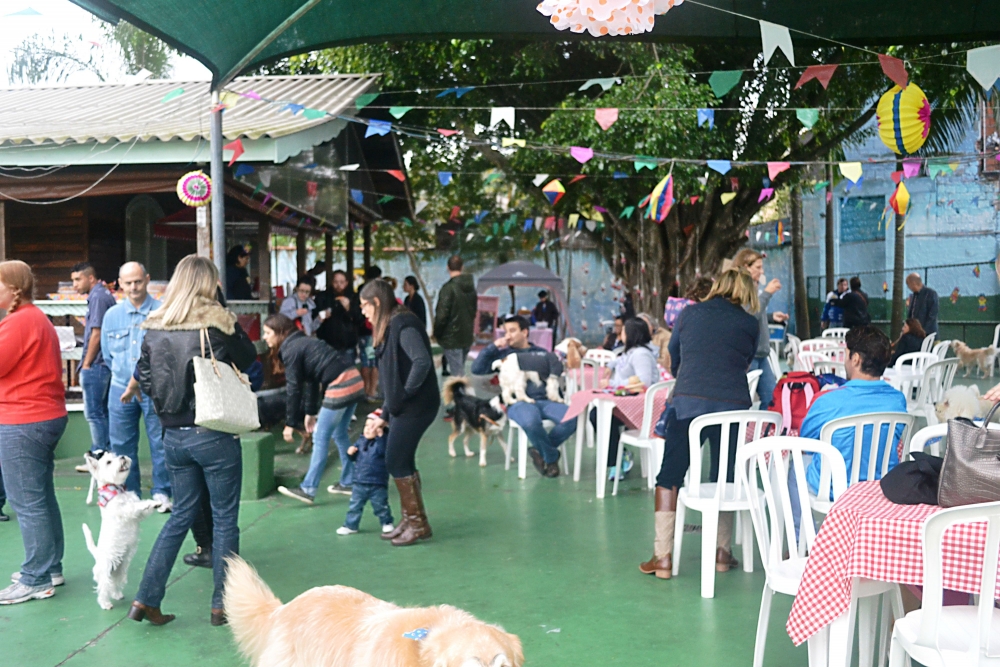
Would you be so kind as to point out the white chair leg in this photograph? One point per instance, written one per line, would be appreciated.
(618, 467)
(867, 613)
(738, 532)
(818, 647)
(892, 610)
(657, 461)
(709, 543)
(581, 432)
(678, 537)
(591, 434)
(563, 459)
(841, 637)
(511, 427)
(762, 621)
(643, 466)
(746, 528)
(522, 453)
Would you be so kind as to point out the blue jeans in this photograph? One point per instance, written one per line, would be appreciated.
(529, 416)
(362, 493)
(198, 459)
(27, 461)
(123, 421)
(330, 423)
(767, 382)
(96, 382)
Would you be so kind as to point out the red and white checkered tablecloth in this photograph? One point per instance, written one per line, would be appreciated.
(627, 408)
(865, 535)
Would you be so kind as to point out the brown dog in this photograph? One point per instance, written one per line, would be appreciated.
(970, 358)
(337, 626)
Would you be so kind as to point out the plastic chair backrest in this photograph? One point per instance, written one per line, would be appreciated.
(934, 529)
(941, 349)
(877, 421)
(769, 460)
(917, 361)
(592, 369)
(815, 344)
(826, 366)
(775, 363)
(792, 348)
(753, 378)
(928, 344)
(921, 439)
(727, 421)
(938, 377)
(840, 333)
(810, 359)
(649, 403)
(996, 336)
(601, 356)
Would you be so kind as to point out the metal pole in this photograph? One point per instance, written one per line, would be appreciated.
(218, 196)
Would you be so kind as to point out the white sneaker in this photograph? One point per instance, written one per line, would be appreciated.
(57, 579)
(166, 505)
(18, 593)
(344, 530)
(388, 528)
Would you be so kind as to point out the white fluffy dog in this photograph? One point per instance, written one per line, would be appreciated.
(514, 382)
(981, 358)
(337, 626)
(121, 514)
(962, 401)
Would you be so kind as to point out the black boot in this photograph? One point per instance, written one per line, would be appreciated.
(200, 558)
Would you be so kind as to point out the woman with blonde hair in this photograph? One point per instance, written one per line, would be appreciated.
(753, 262)
(412, 399)
(712, 345)
(199, 459)
(32, 419)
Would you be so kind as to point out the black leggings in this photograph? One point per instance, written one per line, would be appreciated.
(616, 433)
(405, 431)
(677, 452)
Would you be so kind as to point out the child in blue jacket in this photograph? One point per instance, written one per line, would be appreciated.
(371, 478)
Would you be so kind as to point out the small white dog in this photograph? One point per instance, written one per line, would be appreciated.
(514, 382)
(962, 401)
(981, 358)
(121, 514)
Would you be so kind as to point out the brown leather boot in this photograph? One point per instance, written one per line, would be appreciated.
(724, 561)
(661, 564)
(403, 518)
(412, 502)
(139, 611)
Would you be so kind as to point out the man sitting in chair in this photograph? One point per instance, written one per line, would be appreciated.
(544, 451)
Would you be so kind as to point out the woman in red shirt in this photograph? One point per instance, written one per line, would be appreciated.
(32, 419)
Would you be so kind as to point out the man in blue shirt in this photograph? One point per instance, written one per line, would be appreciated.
(529, 416)
(121, 340)
(868, 354)
(95, 376)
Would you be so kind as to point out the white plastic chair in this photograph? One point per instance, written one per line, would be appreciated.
(650, 448)
(600, 355)
(838, 333)
(931, 438)
(712, 498)
(954, 636)
(937, 380)
(909, 371)
(783, 556)
(871, 423)
(753, 379)
(775, 361)
(814, 344)
(792, 348)
(522, 448)
(928, 343)
(826, 366)
(808, 360)
(941, 349)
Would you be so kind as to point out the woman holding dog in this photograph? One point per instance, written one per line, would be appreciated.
(406, 369)
(713, 344)
(197, 458)
(309, 363)
(32, 419)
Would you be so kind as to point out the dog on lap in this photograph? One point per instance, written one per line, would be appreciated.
(544, 450)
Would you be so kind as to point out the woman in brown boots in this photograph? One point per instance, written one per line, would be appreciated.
(412, 399)
(712, 345)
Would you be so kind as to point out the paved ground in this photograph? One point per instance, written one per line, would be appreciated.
(541, 557)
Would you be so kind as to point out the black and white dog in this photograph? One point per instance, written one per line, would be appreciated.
(485, 417)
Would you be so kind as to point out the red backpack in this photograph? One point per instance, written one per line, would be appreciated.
(793, 395)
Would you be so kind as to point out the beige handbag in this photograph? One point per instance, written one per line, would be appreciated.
(223, 399)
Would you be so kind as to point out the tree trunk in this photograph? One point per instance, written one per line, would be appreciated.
(831, 279)
(801, 294)
(898, 267)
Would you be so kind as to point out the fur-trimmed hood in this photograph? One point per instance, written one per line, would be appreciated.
(204, 314)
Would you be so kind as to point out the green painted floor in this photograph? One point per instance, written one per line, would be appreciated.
(544, 558)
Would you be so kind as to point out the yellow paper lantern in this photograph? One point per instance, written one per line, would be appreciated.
(904, 119)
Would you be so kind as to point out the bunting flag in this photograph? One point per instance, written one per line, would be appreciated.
(982, 63)
(350, 167)
(172, 95)
(776, 36)
(253, 95)
(444, 177)
(896, 177)
(312, 188)
(606, 117)
(819, 186)
(398, 112)
(900, 199)
(492, 176)
(822, 73)
(397, 174)
(574, 219)
(446, 133)
(385, 199)
(505, 114)
(619, 174)
(578, 177)
(356, 195)
(554, 191)
(242, 170)
(605, 84)
(527, 224)
(775, 168)
(721, 166)
(935, 168)
(661, 199)
(420, 206)
(727, 197)
(296, 109)
(895, 69)
(722, 81)
(911, 168)
(236, 147)
(850, 170)
(580, 154)
(314, 114)
(807, 117)
(706, 116)
(627, 212)
(765, 193)
(260, 186)
(458, 92)
(539, 179)
(507, 142)
(361, 101)
(379, 127)
(645, 163)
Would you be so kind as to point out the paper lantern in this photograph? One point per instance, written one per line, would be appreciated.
(195, 189)
(904, 119)
(554, 191)
(661, 199)
(605, 17)
(900, 199)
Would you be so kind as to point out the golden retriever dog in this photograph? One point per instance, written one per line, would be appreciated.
(337, 626)
(981, 357)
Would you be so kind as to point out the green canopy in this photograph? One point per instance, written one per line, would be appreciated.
(233, 36)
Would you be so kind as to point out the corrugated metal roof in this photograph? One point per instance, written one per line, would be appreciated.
(122, 112)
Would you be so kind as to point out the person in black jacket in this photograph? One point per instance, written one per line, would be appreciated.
(196, 457)
(340, 311)
(412, 399)
(854, 304)
(371, 479)
(308, 364)
(413, 300)
(712, 345)
(911, 339)
(238, 286)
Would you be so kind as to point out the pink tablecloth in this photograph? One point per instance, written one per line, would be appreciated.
(627, 408)
(867, 536)
(540, 337)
